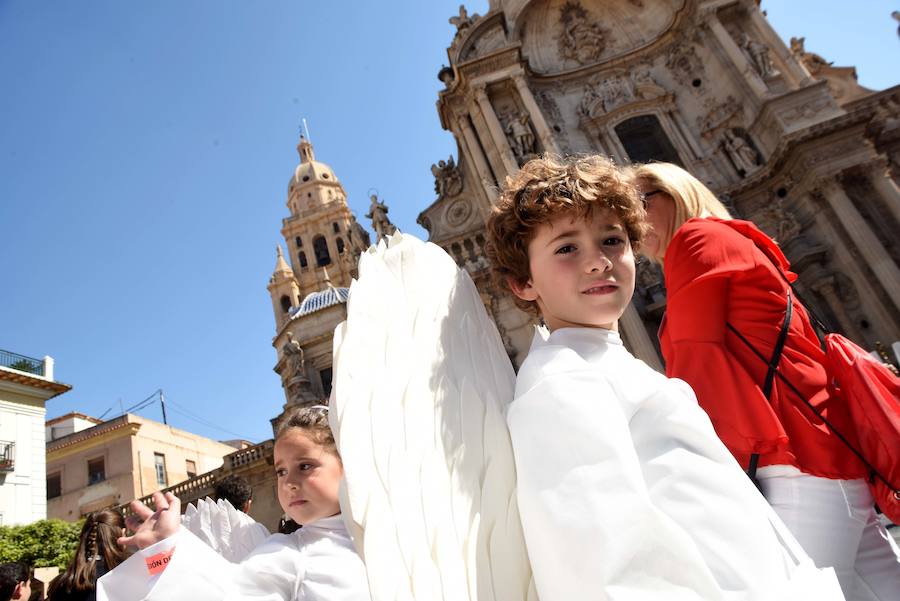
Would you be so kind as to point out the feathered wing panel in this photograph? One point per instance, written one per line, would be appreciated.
(231, 533)
(418, 411)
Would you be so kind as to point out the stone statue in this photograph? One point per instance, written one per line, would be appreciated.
(447, 178)
(614, 92)
(740, 152)
(812, 61)
(588, 100)
(519, 135)
(785, 225)
(896, 15)
(293, 356)
(380, 222)
(358, 232)
(462, 20)
(758, 53)
(644, 85)
(579, 39)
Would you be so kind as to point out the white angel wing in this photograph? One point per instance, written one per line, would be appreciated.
(231, 533)
(422, 385)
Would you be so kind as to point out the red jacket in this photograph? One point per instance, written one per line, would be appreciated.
(724, 271)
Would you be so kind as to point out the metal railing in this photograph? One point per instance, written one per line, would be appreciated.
(7, 456)
(22, 363)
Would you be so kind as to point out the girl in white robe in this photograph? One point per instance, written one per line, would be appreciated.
(318, 562)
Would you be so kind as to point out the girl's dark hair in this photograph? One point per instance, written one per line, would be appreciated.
(314, 422)
(96, 542)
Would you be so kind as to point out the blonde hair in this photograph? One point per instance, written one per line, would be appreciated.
(544, 188)
(692, 198)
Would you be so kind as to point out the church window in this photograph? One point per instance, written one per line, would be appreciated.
(336, 228)
(340, 245)
(645, 140)
(96, 471)
(323, 257)
(298, 241)
(301, 256)
(285, 303)
(325, 176)
(306, 178)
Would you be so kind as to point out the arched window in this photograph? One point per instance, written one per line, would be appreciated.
(298, 241)
(340, 245)
(301, 256)
(285, 303)
(323, 257)
(645, 140)
(336, 228)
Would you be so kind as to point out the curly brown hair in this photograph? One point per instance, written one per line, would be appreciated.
(314, 422)
(544, 188)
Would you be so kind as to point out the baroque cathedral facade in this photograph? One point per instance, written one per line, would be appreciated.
(785, 138)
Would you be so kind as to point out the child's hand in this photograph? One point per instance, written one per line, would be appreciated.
(151, 527)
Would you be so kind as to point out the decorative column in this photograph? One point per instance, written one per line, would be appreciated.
(496, 129)
(825, 288)
(864, 238)
(474, 152)
(757, 85)
(642, 347)
(537, 117)
(880, 177)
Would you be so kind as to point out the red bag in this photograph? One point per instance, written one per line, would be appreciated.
(872, 392)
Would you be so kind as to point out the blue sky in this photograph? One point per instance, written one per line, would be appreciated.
(145, 150)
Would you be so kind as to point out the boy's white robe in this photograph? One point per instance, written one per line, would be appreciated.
(316, 563)
(625, 491)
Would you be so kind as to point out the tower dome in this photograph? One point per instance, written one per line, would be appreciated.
(310, 171)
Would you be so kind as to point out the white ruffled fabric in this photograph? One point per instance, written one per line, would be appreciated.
(316, 563)
(625, 491)
(231, 533)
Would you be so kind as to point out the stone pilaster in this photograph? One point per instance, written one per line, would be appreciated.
(496, 129)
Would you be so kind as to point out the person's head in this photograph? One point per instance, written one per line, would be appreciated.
(15, 581)
(96, 542)
(561, 238)
(672, 196)
(237, 491)
(308, 468)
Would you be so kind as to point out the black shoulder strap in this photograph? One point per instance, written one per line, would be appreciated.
(773, 365)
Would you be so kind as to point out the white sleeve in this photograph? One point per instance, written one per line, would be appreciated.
(590, 525)
(197, 573)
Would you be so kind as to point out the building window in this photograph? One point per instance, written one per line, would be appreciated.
(159, 463)
(336, 228)
(190, 468)
(323, 257)
(645, 140)
(298, 241)
(301, 256)
(285, 303)
(340, 245)
(325, 376)
(54, 485)
(96, 471)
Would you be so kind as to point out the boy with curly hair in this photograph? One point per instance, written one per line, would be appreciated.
(624, 489)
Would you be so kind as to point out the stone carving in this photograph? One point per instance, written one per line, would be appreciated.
(358, 233)
(520, 137)
(685, 65)
(645, 86)
(650, 282)
(548, 104)
(717, 114)
(447, 178)
(462, 20)
(293, 357)
(806, 111)
(381, 223)
(758, 55)
(784, 226)
(605, 95)
(743, 156)
(812, 61)
(458, 212)
(484, 43)
(580, 40)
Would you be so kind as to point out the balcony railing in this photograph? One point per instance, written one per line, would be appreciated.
(7, 456)
(22, 363)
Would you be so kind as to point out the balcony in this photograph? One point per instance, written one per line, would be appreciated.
(7, 456)
(18, 362)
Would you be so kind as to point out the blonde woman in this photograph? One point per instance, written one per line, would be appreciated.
(719, 271)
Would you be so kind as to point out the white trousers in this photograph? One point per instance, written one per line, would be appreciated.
(835, 522)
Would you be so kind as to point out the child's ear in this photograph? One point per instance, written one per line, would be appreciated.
(523, 290)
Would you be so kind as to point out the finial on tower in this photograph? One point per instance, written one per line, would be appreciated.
(304, 148)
